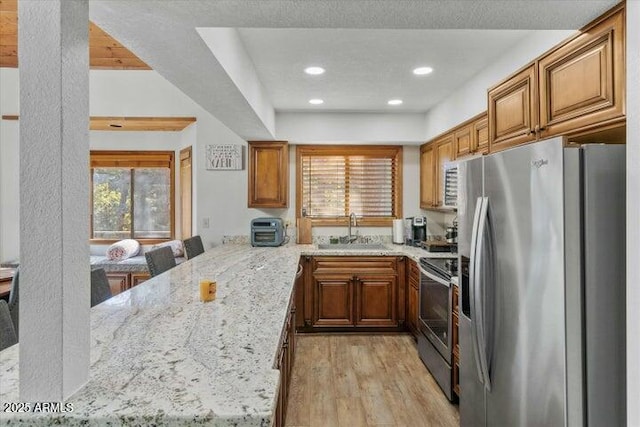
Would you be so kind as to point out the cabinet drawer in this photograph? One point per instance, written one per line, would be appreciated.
(355, 265)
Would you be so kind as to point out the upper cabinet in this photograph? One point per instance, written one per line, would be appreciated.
(433, 156)
(480, 135)
(471, 137)
(513, 110)
(443, 154)
(582, 83)
(574, 88)
(268, 174)
(427, 176)
(462, 139)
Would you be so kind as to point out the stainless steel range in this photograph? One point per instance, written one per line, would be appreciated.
(434, 341)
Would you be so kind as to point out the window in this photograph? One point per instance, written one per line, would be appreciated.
(132, 195)
(334, 181)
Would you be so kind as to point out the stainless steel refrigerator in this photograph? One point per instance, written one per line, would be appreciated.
(542, 275)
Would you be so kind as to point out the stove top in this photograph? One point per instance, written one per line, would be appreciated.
(441, 267)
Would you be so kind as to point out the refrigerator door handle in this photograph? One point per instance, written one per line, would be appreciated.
(483, 290)
(473, 289)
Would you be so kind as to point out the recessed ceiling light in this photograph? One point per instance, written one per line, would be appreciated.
(421, 71)
(314, 71)
(394, 101)
(316, 101)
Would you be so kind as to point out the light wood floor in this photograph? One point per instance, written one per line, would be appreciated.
(364, 380)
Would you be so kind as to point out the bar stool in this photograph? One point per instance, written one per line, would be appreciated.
(193, 246)
(160, 260)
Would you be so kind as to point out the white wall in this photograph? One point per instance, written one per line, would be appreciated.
(228, 49)
(9, 171)
(633, 212)
(471, 98)
(368, 128)
(144, 141)
(221, 196)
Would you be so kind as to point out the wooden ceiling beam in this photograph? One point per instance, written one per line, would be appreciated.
(104, 51)
(135, 124)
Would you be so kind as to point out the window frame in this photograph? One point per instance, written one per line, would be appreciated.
(394, 151)
(133, 160)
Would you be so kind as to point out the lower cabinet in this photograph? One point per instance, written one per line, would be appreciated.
(119, 282)
(285, 360)
(376, 300)
(354, 292)
(137, 278)
(122, 281)
(413, 280)
(333, 297)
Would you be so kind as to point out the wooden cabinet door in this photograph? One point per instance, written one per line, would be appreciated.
(427, 176)
(268, 174)
(413, 283)
(186, 192)
(333, 301)
(513, 110)
(375, 300)
(137, 278)
(281, 403)
(582, 83)
(118, 282)
(299, 295)
(412, 316)
(444, 153)
(480, 136)
(463, 140)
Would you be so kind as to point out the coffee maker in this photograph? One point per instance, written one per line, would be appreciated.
(416, 230)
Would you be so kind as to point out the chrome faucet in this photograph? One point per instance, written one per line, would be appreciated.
(354, 219)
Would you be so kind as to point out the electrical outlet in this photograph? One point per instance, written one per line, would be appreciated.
(205, 222)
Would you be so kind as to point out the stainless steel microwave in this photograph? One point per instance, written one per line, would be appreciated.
(267, 232)
(450, 187)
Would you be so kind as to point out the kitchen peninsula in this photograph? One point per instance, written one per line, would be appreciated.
(160, 356)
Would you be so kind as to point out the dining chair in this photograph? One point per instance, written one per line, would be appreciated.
(193, 246)
(160, 260)
(14, 302)
(100, 289)
(7, 333)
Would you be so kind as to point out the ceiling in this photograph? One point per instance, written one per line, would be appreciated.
(105, 52)
(366, 68)
(367, 46)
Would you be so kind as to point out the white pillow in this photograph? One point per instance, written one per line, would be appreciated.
(123, 249)
(175, 245)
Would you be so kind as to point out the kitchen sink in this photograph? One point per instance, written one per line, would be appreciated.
(352, 246)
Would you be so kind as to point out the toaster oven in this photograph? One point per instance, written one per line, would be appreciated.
(267, 232)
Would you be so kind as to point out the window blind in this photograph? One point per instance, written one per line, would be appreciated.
(362, 180)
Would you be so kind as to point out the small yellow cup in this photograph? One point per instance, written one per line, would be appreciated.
(208, 290)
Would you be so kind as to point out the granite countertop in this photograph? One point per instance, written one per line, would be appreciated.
(136, 264)
(160, 356)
